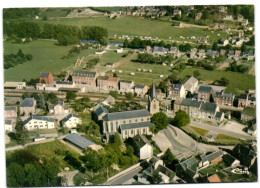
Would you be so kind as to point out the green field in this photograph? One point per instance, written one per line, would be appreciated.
(143, 77)
(136, 26)
(46, 57)
(202, 132)
(238, 82)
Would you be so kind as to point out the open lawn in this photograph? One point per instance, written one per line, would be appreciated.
(46, 58)
(212, 169)
(50, 150)
(136, 26)
(238, 82)
(202, 132)
(140, 76)
(226, 137)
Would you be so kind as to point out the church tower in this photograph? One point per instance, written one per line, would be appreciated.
(153, 103)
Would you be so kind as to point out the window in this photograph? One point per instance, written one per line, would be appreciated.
(112, 128)
(132, 131)
(125, 132)
(135, 120)
(130, 121)
(123, 121)
(148, 119)
(144, 130)
(142, 119)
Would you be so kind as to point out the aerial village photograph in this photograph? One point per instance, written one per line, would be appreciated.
(129, 95)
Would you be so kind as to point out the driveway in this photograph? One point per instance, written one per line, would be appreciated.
(222, 130)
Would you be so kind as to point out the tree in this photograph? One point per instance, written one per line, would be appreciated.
(224, 81)
(113, 94)
(215, 46)
(181, 119)
(42, 103)
(129, 96)
(52, 98)
(156, 178)
(15, 175)
(116, 140)
(126, 43)
(70, 95)
(168, 157)
(21, 132)
(196, 74)
(26, 95)
(160, 121)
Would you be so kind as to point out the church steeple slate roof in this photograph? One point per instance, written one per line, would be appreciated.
(153, 92)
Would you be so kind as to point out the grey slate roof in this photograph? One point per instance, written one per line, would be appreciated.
(189, 82)
(136, 125)
(8, 122)
(59, 102)
(44, 74)
(84, 73)
(211, 156)
(38, 118)
(101, 110)
(165, 170)
(68, 117)
(159, 49)
(79, 141)
(177, 87)
(140, 140)
(64, 82)
(27, 102)
(126, 115)
(243, 96)
(126, 81)
(209, 107)
(219, 115)
(10, 108)
(102, 78)
(204, 89)
(212, 53)
(153, 92)
(189, 166)
(228, 159)
(192, 103)
(139, 86)
(173, 48)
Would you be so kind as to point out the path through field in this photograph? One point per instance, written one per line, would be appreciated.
(223, 66)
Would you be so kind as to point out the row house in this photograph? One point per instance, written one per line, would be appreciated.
(159, 50)
(204, 93)
(85, 78)
(174, 51)
(126, 86)
(10, 111)
(127, 123)
(107, 82)
(141, 90)
(224, 99)
(245, 100)
(191, 84)
(39, 122)
(212, 53)
(175, 91)
(199, 109)
(46, 77)
(14, 85)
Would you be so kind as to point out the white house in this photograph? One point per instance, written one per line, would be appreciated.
(191, 84)
(9, 125)
(59, 108)
(39, 122)
(142, 146)
(71, 121)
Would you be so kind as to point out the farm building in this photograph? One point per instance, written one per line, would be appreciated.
(81, 142)
(14, 85)
(46, 77)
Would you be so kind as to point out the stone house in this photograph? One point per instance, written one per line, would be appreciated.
(59, 108)
(85, 78)
(10, 111)
(101, 112)
(159, 50)
(212, 53)
(174, 51)
(46, 77)
(28, 106)
(141, 90)
(199, 109)
(204, 93)
(175, 91)
(224, 99)
(201, 54)
(245, 100)
(224, 42)
(191, 85)
(198, 16)
(211, 158)
(126, 86)
(127, 123)
(39, 122)
(142, 146)
(177, 12)
(70, 121)
(107, 82)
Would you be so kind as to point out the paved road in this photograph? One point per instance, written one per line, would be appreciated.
(220, 130)
(70, 176)
(122, 179)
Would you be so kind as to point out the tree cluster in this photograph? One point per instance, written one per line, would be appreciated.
(149, 58)
(160, 121)
(181, 119)
(234, 67)
(11, 60)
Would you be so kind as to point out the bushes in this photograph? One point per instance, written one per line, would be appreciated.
(13, 60)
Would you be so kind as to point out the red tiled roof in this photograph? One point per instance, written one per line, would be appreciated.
(214, 179)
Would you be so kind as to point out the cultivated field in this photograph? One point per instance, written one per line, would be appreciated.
(136, 26)
(238, 82)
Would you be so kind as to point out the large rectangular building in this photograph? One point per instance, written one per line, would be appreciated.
(87, 78)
